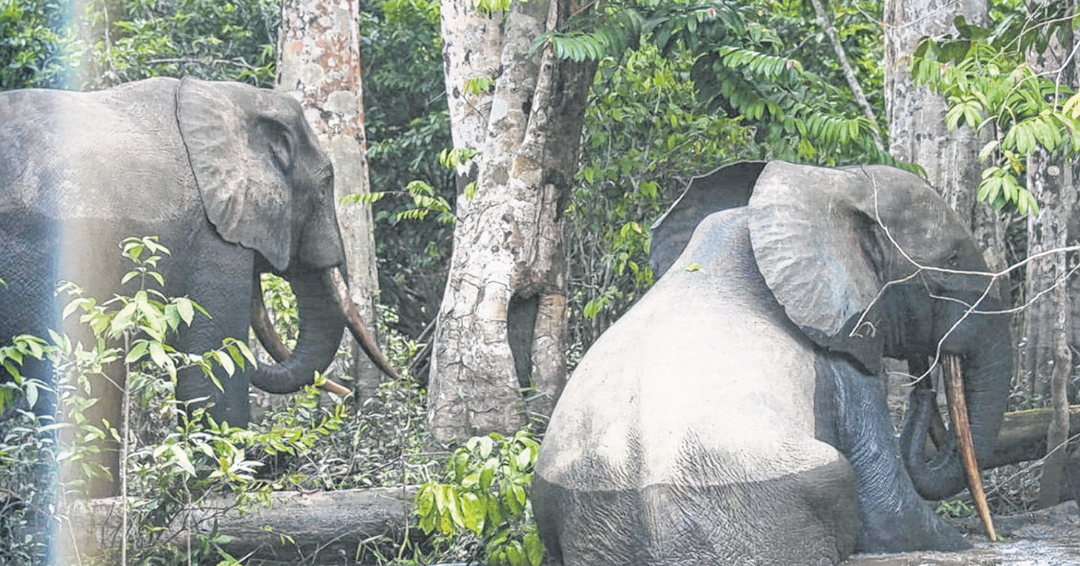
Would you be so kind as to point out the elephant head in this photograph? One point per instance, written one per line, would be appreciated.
(869, 262)
(265, 184)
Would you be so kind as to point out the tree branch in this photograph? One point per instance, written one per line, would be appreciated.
(849, 73)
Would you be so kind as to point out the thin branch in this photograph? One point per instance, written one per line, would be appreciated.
(849, 73)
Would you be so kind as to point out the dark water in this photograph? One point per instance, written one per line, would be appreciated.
(1045, 538)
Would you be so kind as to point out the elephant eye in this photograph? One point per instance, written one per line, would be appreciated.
(954, 261)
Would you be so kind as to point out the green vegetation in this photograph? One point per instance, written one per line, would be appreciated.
(173, 457)
(985, 76)
(483, 506)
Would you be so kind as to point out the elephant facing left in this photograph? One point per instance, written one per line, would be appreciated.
(231, 179)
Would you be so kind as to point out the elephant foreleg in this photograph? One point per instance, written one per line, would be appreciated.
(893, 517)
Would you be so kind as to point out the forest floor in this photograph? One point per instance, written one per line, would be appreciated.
(1041, 538)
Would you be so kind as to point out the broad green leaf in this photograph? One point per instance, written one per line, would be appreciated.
(474, 511)
(137, 351)
(186, 309)
(534, 548)
(158, 355)
(182, 460)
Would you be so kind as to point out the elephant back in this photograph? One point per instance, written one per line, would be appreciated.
(681, 414)
(96, 156)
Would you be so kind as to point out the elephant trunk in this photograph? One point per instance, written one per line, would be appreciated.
(986, 371)
(321, 327)
(325, 308)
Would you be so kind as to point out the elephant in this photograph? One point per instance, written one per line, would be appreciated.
(232, 180)
(736, 413)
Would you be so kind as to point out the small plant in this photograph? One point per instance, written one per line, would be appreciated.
(173, 456)
(957, 508)
(486, 497)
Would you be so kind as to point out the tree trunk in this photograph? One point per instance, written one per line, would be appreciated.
(501, 327)
(1045, 359)
(319, 62)
(916, 117)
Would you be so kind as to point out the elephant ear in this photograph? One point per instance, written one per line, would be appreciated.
(815, 239)
(727, 187)
(241, 145)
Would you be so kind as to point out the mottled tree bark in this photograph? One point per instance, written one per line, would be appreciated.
(916, 117)
(1045, 359)
(319, 62)
(502, 324)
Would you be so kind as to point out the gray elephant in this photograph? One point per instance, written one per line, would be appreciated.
(735, 414)
(232, 180)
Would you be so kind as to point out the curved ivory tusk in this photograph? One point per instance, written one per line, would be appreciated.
(954, 392)
(268, 337)
(335, 281)
(336, 388)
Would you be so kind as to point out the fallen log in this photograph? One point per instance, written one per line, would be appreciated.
(296, 528)
(1023, 436)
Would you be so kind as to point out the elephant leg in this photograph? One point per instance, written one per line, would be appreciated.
(893, 517)
(218, 279)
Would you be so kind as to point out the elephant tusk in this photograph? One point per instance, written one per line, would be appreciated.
(268, 337)
(336, 388)
(335, 281)
(954, 392)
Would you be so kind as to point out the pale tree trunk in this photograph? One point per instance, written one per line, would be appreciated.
(502, 323)
(1046, 359)
(319, 62)
(916, 117)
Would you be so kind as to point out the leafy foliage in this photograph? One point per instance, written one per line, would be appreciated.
(211, 40)
(407, 123)
(984, 75)
(36, 42)
(485, 497)
(168, 468)
(744, 68)
(646, 133)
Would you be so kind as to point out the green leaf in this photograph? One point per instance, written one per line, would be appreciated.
(226, 362)
(534, 548)
(182, 460)
(186, 309)
(693, 267)
(474, 512)
(138, 350)
(487, 473)
(158, 355)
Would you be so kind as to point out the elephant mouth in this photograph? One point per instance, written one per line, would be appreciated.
(336, 287)
(954, 392)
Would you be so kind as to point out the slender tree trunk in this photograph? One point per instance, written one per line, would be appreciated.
(1046, 359)
(502, 324)
(916, 117)
(319, 62)
(845, 66)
